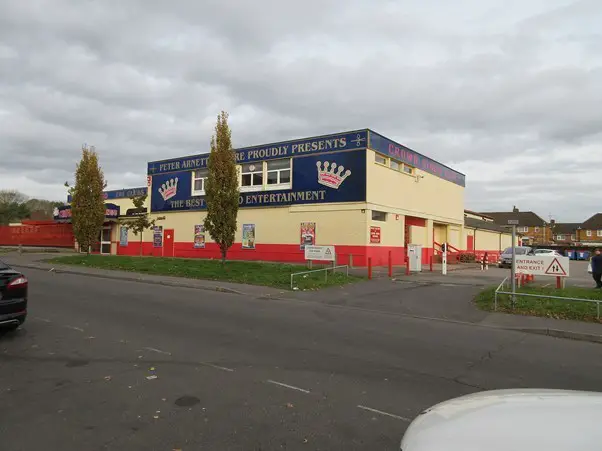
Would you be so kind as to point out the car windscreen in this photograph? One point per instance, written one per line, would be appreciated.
(517, 251)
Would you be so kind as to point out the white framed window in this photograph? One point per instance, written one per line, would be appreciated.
(573, 237)
(408, 169)
(599, 233)
(278, 174)
(522, 229)
(536, 229)
(395, 165)
(378, 158)
(251, 177)
(560, 237)
(266, 175)
(588, 233)
(379, 215)
(199, 179)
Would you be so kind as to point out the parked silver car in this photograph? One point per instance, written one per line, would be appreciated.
(505, 260)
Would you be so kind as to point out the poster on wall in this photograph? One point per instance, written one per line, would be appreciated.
(374, 235)
(158, 236)
(123, 236)
(248, 236)
(199, 236)
(308, 234)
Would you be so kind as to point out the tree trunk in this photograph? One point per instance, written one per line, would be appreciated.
(140, 244)
(224, 252)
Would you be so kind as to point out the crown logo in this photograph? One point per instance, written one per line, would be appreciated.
(169, 189)
(331, 175)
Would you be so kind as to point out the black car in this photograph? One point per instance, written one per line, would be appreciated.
(13, 297)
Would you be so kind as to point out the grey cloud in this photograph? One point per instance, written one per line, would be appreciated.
(144, 80)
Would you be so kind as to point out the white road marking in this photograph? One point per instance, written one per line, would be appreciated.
(292, 387)
(369, 409)
(217, 367)
(157, 351)
(43, 319)
(79, 329)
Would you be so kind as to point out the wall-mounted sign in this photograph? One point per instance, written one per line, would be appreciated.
(395, 150)
(308, 234)
(374, 235)
(248, 236)
(316, 179)
(199, 236)
(298, 147)
(63, 213)
(158, 236)
(121, 193)
(123, 236)
(320, 253)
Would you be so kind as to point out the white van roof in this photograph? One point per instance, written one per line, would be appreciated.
(510, 420)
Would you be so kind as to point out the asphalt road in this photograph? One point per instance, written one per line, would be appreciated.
(112, 365)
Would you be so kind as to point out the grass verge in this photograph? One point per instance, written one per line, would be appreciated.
(253, 273)
(550, 308)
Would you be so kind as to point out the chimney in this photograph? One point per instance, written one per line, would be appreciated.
(514, 209)
(552, 221)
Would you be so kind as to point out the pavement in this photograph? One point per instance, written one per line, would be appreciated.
(109, 364)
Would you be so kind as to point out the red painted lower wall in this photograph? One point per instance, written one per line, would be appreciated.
(287, 253)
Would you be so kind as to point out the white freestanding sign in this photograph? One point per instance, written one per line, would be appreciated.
(542, 265)
(320, 253)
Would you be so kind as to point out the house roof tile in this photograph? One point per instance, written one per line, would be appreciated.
(525, 218)
(593, 223)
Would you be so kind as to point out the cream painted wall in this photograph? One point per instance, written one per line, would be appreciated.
(429, 197)
(391, 230)
(335, 224)
(440, 233)
(487, 240)
(419, 235)
(454, 237)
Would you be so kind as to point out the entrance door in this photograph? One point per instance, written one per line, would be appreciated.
(105, 240)
(168, 243)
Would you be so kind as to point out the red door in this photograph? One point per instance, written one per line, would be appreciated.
(168, 243)
(470, 243)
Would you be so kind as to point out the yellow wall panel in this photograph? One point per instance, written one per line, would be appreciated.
(279, 225)
(423, 195)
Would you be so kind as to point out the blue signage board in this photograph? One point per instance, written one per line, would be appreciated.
(336, 177)
(394, 150)
(121, 193)
(63, 214)
(299, 147)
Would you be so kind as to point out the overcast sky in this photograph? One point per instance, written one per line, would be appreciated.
(507, 91)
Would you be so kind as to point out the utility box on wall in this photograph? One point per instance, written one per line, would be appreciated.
(415, 257)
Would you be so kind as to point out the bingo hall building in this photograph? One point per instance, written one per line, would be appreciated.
(359, 191)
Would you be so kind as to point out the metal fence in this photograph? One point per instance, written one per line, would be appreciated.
(326, 269)
(500, 290)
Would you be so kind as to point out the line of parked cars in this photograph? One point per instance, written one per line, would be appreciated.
(13, 297)
(505, 260)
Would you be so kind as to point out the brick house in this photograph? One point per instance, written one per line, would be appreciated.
(564, 232)
(591, 230)
(534, 230)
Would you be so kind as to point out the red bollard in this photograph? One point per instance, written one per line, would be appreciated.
(431, 263)
(390, 264)
(559, 282)
(407, 260)
(369, 268)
